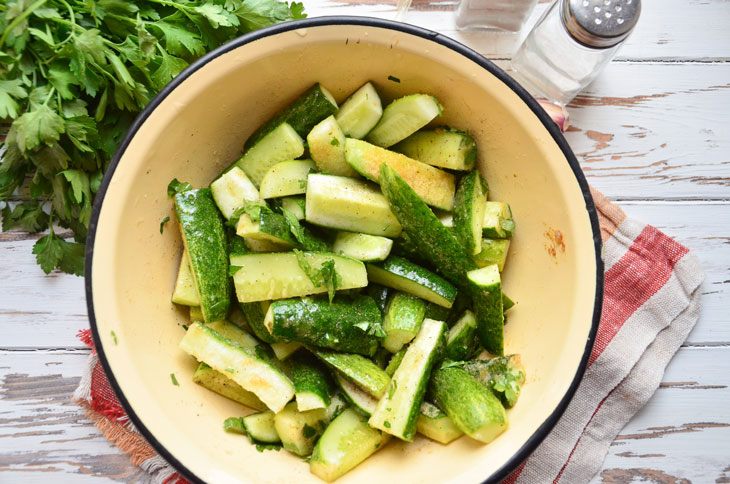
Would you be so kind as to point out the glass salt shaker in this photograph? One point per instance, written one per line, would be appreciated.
(571, 44)
(509, 15)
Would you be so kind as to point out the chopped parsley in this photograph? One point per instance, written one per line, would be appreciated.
(163, 222)
(176, 186)
(308, 431)
(230, 370)
(335, 142)
(234, 425)
(174, 380)
(114, 337)
(386, 424)
(392, 388)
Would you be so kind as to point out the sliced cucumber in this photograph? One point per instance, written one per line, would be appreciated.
(195, 314)
(299, 430)
(264, 277)
(379, 294)
(443, 147)
(295, 205)
(395, 362)
(503, 375)
(359, 399)
(406, 276)
(362, 247)
(461, 342)
(312, 385)
(285, 350)
(315, 104)
(184, 292)
(204, 239)
(254, 374)
(280, 144)
(266, 246)
(358, 370)
(436, 425)
(347, 204)
(435, 187)
(347, 441)
(402, 321)
(286, 178)
(327, 148)
(255, 312)
(498, 223)
(359, 114)
(493, 251)
(260, 427)
(403, 117)
(397, 411)
(219, 383)
(270, 227)
(347, 325)
(507, 302)
(234, 333)
(231, 190)
(472, 408)
(486, 290)
(436, 243)
(469, 205)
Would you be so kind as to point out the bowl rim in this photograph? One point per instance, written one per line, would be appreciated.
(544, 429)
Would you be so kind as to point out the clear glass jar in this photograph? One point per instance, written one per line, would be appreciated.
(553, 63)
(508, 15)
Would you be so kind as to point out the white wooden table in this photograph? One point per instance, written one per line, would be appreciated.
(652, 133)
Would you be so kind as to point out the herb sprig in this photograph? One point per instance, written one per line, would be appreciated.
(73, 76)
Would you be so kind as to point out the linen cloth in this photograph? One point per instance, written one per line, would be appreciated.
(651, 302)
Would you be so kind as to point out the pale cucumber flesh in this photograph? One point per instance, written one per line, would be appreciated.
(362, 247)
(281, 144)
(359, 114)
(264, 277)
(403, 117)
(184, 292)
(327, 148)
(286, 178)
(231, 190)
(346, 204)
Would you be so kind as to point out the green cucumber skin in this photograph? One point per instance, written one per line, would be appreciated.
(395, 362)
(405, 314)
(439, 313)
(358, 370)
(419, 275)
(205, 238)
(255, 312)
(467, 403)
(309, 375)
(503, 375)
(437, 243)
(413, 359)
(490, 316)
(260, 427)
(379, 294)
(472, 191)
(302, 114)
(464, 343)
(274, 224)
(317, 322)
(217, 382)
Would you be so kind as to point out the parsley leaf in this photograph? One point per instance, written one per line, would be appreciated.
(314, 275)
(10, 92)
(28, 215)
(164, 220)
(176, 186)
(332, 280)
(40, 126)
(174, 380)
(54, 252)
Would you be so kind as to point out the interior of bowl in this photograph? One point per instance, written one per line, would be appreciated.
(198, 126)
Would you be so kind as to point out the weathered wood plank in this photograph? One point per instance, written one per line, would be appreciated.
(667, 31)
(681, 436)
(44, 436)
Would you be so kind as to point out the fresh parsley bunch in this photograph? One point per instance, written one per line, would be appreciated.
(73, 75)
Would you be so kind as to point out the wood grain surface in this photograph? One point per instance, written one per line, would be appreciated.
(652, 133)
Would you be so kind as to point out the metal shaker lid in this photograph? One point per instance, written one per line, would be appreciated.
(600, 23)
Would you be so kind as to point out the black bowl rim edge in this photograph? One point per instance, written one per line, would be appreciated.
(539, 435)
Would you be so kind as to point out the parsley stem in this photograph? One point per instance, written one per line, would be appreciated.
(70, 11)
(19, 19)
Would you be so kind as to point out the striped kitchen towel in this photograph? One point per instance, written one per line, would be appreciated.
(650, 304)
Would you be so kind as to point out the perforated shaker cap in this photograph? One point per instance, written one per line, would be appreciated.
(600, 23)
